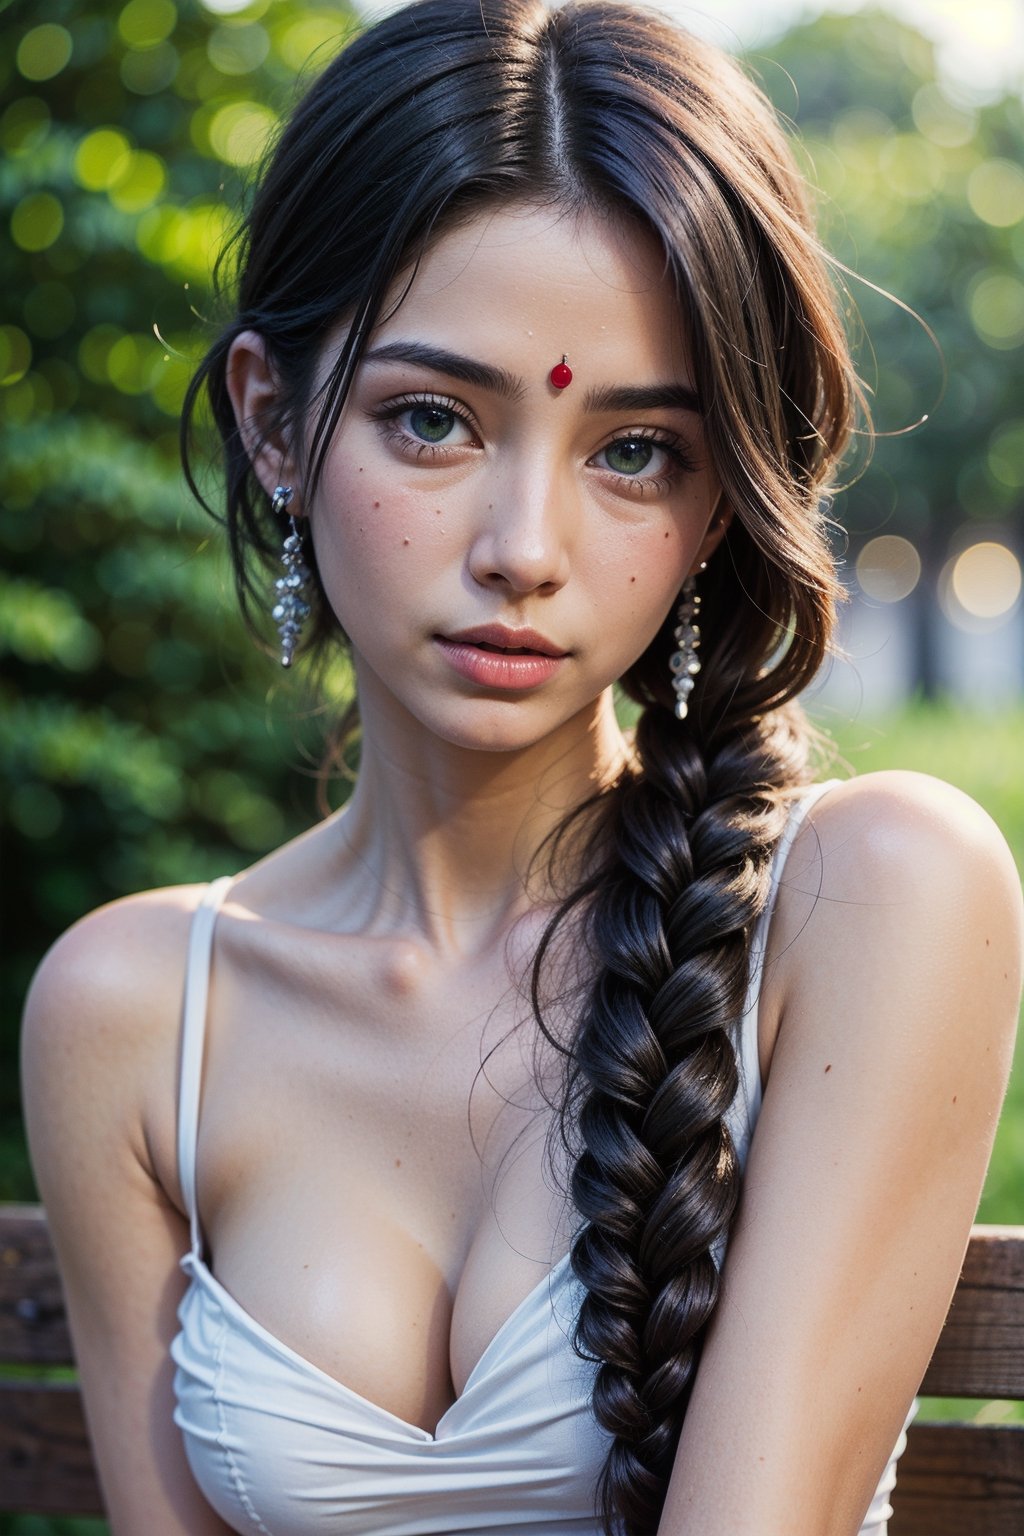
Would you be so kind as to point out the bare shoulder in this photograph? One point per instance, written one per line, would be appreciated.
(114, 965)
(900, 821)
(102, 1017)
(895, 837)
(898, 883)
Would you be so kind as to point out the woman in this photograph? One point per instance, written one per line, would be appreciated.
(536, 384)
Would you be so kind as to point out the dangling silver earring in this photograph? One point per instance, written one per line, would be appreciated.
(684, 663)
(291, 607)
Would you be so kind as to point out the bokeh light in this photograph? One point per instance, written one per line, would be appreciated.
(995, 191)
(1006, 455)
(225, 7)
(239, 132)
(888, 568)
(980, 587)
(102, 158)
(146, 23)
(184, 240)
(995, 301)
(947, 124)
(147, 71)
(236, 50)
(310, 38)
(44, 52)
(94, 349)
(24, 126)
(15, 354)
(37, 221)
(141, 184)
(912, 166)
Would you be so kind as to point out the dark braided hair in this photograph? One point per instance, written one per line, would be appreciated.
(437, 114)
(687, 840)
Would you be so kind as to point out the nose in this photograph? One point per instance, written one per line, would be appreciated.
(521, 542)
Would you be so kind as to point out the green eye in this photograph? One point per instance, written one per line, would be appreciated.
(630, 455)
(432, 423)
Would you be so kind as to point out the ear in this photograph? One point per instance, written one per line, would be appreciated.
(254, 393)
(721, 517)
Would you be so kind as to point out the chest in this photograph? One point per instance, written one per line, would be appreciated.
(373, 1167)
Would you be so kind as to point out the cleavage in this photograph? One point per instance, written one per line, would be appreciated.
(350, 1208)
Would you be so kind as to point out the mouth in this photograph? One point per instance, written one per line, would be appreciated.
(500, 641)
(507, 650)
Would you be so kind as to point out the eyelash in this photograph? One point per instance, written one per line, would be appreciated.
(388, 414)
(388, 417)
(683, 461)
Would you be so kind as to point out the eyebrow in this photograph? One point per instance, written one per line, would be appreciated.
(619, 398)
(484, 375)
(643, 397)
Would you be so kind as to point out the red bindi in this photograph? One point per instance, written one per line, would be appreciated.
(561, 374)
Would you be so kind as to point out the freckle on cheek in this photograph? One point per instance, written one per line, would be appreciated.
(376, 503)
(405, 541)
(631, 580)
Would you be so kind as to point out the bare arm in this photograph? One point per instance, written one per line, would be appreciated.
(898, 992)
(99, 1048)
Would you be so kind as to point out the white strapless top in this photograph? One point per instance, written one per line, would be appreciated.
(281, 1448)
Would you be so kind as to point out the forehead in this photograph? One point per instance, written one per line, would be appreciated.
(520, 287)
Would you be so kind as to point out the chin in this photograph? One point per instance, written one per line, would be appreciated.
(508, 735)
(489, 725)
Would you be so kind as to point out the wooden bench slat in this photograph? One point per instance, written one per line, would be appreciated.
(45, 1457)
(960, 1480)
(33, 1327)
(980, 1352)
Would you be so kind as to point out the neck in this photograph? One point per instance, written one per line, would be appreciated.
(442, 840)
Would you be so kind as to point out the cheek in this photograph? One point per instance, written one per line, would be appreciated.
(361, 520)
(642, 575)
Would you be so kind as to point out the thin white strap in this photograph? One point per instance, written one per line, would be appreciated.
(797, 815)
(750, 1066)
(193, 1031)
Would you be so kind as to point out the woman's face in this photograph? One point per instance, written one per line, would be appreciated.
(465, 499)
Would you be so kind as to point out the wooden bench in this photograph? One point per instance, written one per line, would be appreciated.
(953, 1479)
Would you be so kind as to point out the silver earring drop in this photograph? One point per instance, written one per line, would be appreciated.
(291, 607)
(684, 662)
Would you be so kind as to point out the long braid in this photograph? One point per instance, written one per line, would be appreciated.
(652, 1072)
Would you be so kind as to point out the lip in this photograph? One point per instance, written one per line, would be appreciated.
(525, 659)
(506, 639)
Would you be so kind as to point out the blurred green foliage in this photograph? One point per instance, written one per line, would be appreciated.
(922, 195)
(143, 738)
